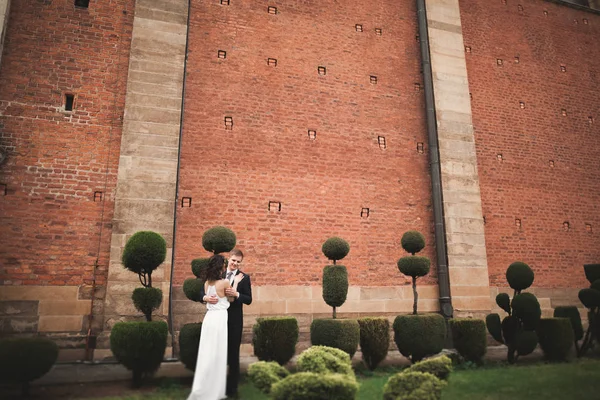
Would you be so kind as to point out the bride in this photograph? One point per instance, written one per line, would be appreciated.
(211, 365)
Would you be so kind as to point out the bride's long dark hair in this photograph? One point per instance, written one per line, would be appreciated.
(214, 269)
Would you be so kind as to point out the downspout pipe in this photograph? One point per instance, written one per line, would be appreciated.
(176, 199)
(434, 156)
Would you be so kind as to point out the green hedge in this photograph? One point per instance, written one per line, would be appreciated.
(189, 340)
(419, 336)
(571, 312)
(23, 360)
(440, 367)
(556, 338)
(374, 340)
(139, 346)
(275, 338)
(343, 334)
(312, 386)
(413, 386)
(325, 360)
(265, 374)
(469, 338)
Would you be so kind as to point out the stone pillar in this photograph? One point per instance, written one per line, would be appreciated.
(147, 175)
(467, 260)
(4, 15)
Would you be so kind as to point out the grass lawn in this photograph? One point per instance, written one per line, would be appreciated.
(576, 380)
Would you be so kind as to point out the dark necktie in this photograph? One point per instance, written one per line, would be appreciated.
(229, 275)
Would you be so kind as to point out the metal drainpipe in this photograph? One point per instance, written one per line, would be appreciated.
(176, 200)
(434, 155)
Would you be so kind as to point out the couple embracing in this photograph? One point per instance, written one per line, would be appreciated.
(225, 290)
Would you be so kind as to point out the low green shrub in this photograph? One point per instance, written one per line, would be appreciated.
(139, 346)
(275, 338)
(419, 336)
(264, 374)
(343, 334)
(571, 312)
(413, 386)
(23, 360)
(189, 340)
(325, 360)
(556, 338)
(440, 367)
(374, 340)
(314, 386)
(469, 338)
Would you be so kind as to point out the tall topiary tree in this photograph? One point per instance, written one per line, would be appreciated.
(218, 239)
(517, 330)
(335, 277)
(143, 253)
(413, 266)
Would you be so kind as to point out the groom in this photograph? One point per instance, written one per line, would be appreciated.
(235, 318)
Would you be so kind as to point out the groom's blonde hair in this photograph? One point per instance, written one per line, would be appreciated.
(236, 252)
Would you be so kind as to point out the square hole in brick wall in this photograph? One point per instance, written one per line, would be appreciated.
(591, 119)
(69, 101)
(358, 27)
(517, 59)
(322, 70)
(551, 163)
(381, 142)
(222, 54)
(312, 134)
(272, 10)
(499, 157)
(3, 189)
(517, 222)
(420, 148)
(186, 202)
(373, 79)
(98, 196)
(499, 61)
(563, 112)
(229, 123)
(274, 206)
(566, 226)
(378, 31)
(225, 2)
(522, 104)
(272, 62)
(468, 49)
(364, 212)
(82, 3)
(585, 21)
(588, 228)
(563, 68)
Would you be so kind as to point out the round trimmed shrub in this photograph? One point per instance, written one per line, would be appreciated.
(526, 307)
(192, 288)
(413, 242)
(189, 340)
(23, 360)
(335, 248)
(144, 252)
(275, 338)
(218, 240)
(325, 360)
(572, 313)
(146, 300)
(526, 342)
(440, 367)
(413, 386)
(510, 328)
(335, 285)
(556, 338)
(374, 340)
(414, 266)
(139, 346)
(590, 298)
(312, 386)
(596, 285)
(343, 334)
(503, 301)
(198, 265)
(469, 338)
(519, 276)
(264, 374)
(419, 336)
(494, 326)
(592, 272)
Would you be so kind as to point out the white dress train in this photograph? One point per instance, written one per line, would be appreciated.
(211, 365)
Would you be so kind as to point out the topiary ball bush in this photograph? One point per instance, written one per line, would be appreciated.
(343, 334)
(503, 301)
(335, 285)
(265, 374)
(312, 386)
(595, 285)
(374, 340)
(189, 340)
(23, 360)
(510, 328)
(526, 342)
(414, 266)
(198, 265)
(139, 346)
(469, 338)
(592, 272)
(440, 367)
(419, 336)
(556, 338)
(275, 338)
(413, 386)
(335, 248)
(144, 252)
(526, 307)
(572, 313)
(192, 287)
(147, 300)
(325, 360)
(219, 240)
(519, 275)
(590, 298)
(494, 326)
(413, 242)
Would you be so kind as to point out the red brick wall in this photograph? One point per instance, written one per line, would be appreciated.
(322, 185)
(524, 186)
(51, 225)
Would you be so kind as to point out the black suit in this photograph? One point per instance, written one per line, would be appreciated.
(235, 325)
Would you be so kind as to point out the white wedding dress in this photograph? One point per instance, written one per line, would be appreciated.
(211, 365)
